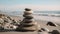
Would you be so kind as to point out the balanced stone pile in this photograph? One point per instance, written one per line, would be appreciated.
(28, 23)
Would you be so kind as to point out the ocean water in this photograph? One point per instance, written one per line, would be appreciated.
(48, 13)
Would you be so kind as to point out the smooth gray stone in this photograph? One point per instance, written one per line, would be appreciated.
(55, 32)
(33, 23)
(1, 20)
(52, 24)
(27, 9)
(28, 20)
(29, 28)
(28, 12)
(28, 16)
(45, 29)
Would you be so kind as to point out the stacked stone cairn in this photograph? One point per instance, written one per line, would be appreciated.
(28, 23)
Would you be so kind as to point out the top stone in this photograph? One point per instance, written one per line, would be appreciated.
(27, 9)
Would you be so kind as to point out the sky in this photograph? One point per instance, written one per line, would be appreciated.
(41, 5)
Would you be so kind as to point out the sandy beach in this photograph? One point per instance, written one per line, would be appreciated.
(41, 20)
